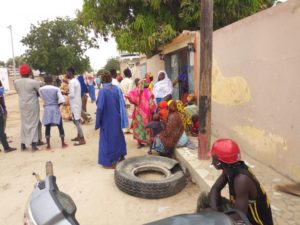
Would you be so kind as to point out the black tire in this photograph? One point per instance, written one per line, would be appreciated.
(127, 181)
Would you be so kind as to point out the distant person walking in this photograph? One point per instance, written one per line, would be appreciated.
(90, 84)
(111, 117)
(98, 82)
(27, 90)
(75, 103)
(52, 98)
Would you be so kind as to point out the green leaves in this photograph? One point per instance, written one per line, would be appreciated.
(55, 45)
(143, 25)
(112, 63)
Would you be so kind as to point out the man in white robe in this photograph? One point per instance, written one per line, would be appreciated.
(126, 85)
(75, 104)
(113, 74)
(27, 90)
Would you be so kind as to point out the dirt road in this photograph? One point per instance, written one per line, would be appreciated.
(98, 200)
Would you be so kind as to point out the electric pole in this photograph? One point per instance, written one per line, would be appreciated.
(13, 53)
(206, 35)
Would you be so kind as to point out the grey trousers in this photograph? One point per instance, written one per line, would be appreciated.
(79, 129)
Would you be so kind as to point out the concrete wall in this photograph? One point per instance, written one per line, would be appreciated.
(256, 86)
(133, 65)
(154, 64)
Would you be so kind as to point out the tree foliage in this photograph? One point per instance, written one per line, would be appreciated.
(2, 63)
(19, 60)
(55, 45)
(101, 71)
(144, 25)
(112, 63)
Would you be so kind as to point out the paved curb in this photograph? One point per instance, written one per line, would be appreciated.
(191, 162)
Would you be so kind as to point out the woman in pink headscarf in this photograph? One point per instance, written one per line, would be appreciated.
(144, 106)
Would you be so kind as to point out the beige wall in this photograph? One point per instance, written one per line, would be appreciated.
(155, 64)
(256, 86)
(133, 65)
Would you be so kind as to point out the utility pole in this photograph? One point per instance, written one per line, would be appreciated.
(13, 53)
(206, 34)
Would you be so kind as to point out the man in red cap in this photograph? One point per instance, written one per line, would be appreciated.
(27, 90)
(246, 193)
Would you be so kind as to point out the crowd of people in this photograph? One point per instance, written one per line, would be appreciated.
(139, 107)
(63, 99)
(163, 123)
(156, 120)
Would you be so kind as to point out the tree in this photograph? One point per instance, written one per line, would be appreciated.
(101, 71)
(225, 12)
(2, 63)
(144, 25)
(55, 45)
(19, 60)
(112, 63)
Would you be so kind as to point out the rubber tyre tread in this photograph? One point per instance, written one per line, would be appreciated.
(126, 181)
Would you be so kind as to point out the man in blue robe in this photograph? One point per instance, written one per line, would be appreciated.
(111, 117)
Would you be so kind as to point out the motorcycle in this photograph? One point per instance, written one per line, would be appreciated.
(47, 205)
(205, 218)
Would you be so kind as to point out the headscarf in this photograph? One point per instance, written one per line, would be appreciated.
(172, 106)
(185, 118)
(191, 98)
(148, 77)
(173, 128)
(163, 87)
(163, 110)
(24, 70)
(144, 83)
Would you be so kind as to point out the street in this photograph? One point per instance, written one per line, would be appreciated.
(92, 187)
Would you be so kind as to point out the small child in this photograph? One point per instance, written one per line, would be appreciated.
(155, 127)
(196, 125)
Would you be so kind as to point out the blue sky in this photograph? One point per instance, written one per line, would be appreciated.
(21, 14)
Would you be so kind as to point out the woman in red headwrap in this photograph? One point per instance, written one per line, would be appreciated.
(144, 106)
(163, 110)
(173, 130)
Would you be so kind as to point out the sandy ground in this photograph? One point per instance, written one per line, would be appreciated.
(92, 187)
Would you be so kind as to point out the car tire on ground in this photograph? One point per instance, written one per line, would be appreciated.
(127, 180)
